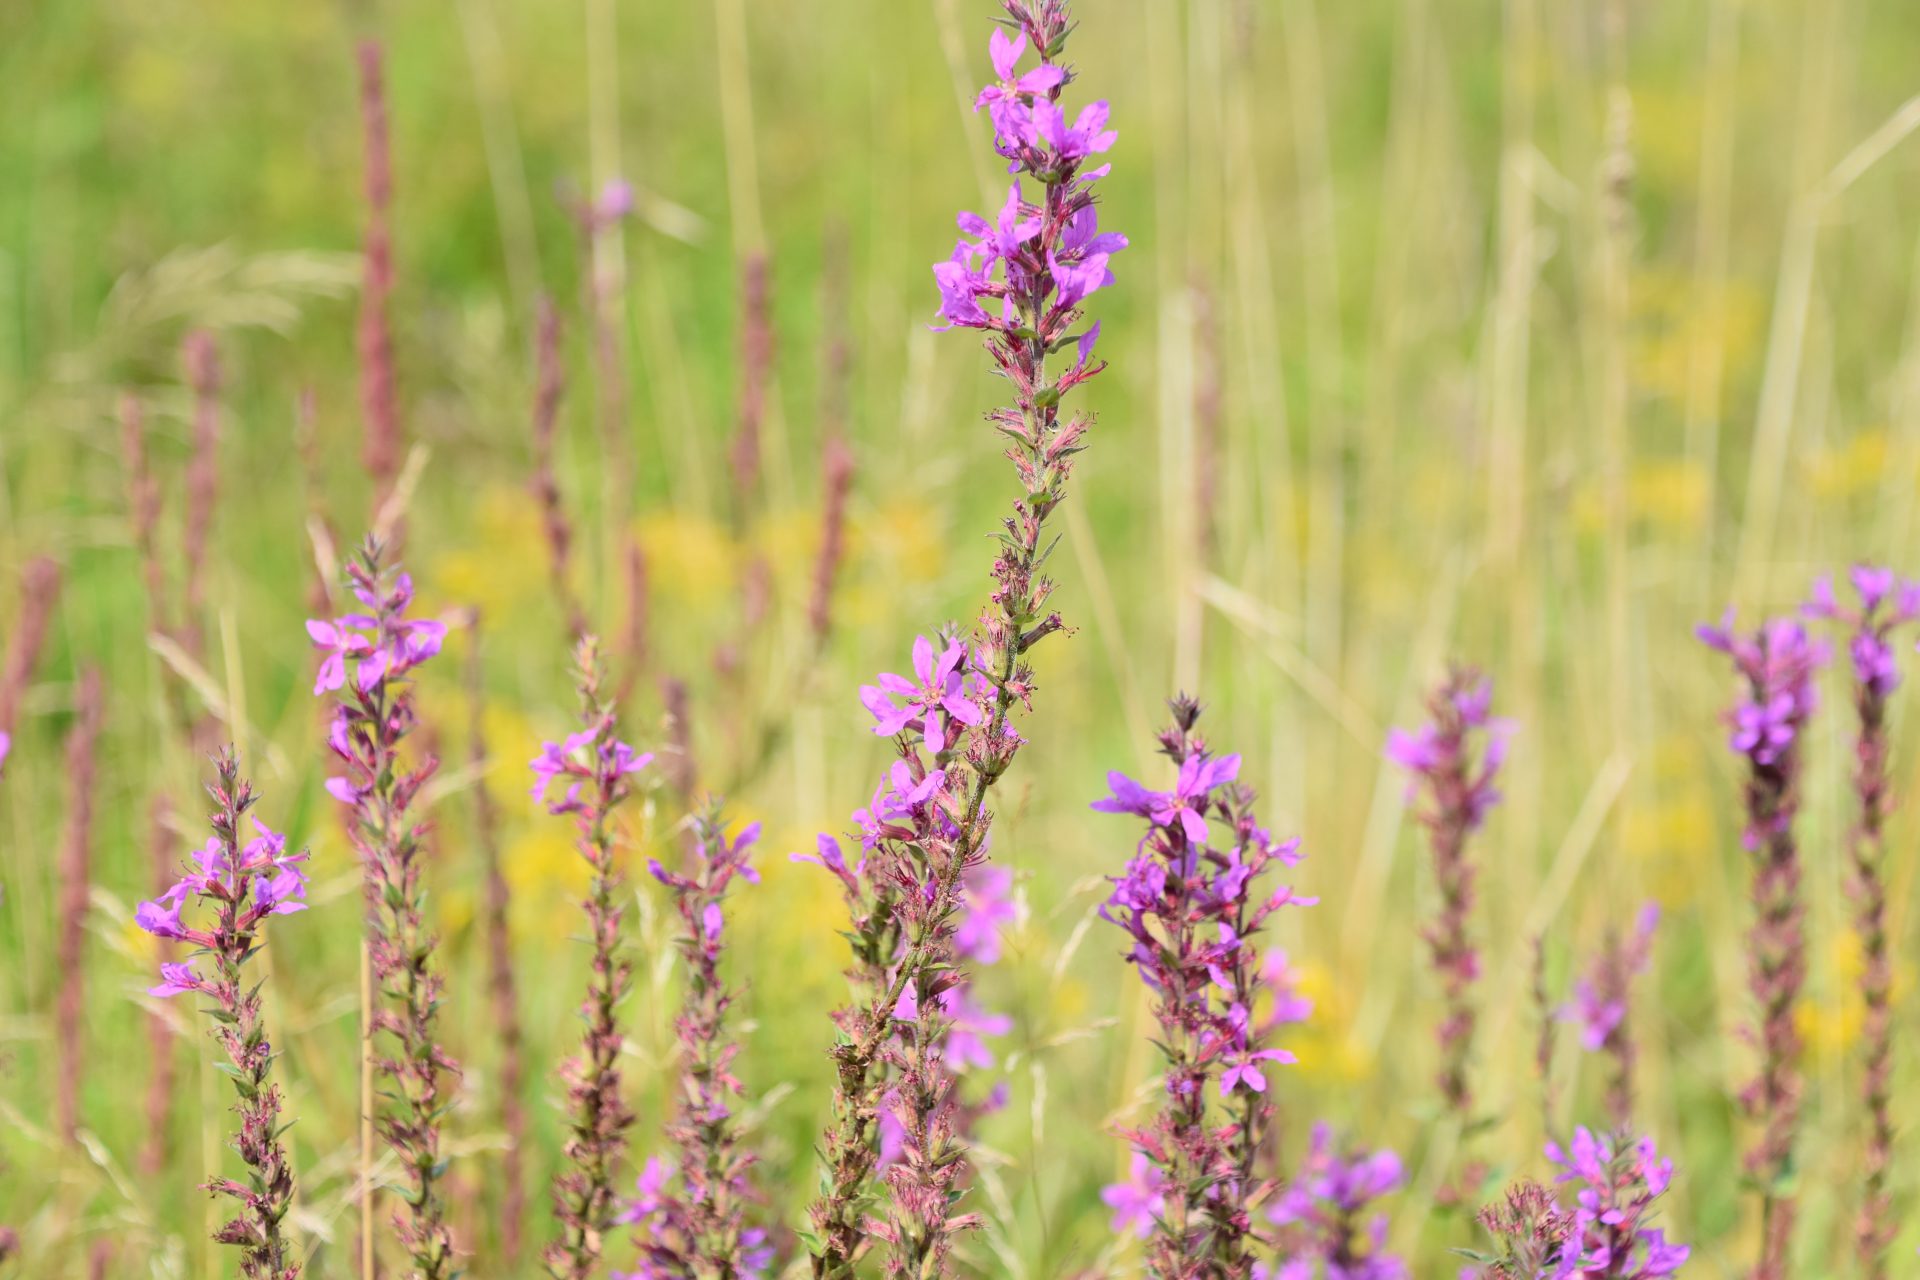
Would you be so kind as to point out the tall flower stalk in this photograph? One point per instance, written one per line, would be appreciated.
(242, 883)
(596, 770)
(1033, 270)
(367, 664)
(1191, 911)
(1454, 759)
(1776, 666)
(691, 1214)
(1885, 604)
(1601, 1004)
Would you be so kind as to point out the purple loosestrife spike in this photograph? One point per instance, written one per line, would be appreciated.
(1327, 1232)
(1776, 666)
(596, 771)
(1886, 604)
(1612, 1186)
(1600, 1006)
(240, 884)
(1191, 911)
(691, 1216)
(76, 866)
(924, 834)
(368, 662)
(1454, 759)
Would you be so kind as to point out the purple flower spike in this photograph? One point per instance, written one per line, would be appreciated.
(1454, 760)
(1886, 604)
(1327, 1232)
(1019, 278)
(1776, 666)
(235, 920)
(691, 1215)
(1192, 926)
(368, 662)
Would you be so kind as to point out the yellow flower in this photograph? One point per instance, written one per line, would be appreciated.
(505, 564)
(1850, 469)
(689, 558)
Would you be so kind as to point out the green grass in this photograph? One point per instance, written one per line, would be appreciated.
(1471, 405)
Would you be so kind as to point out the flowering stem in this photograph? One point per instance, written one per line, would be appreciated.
(1886, 603)
(1875, 1229)
(1776, 665)
(369, 658)
(598, 766)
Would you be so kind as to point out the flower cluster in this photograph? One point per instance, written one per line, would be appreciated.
(1886, 603)
(692, 1217)
(1602, 1233)
(1454, 759)
(597, 770)
(368, 659)
(1328, 1232)
(928, 825)
(1599, 1006)
(1189, 904)
(243, 884)
(1776, 666)
(1049, 252)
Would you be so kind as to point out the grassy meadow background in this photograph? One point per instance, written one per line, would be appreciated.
(1529, 333)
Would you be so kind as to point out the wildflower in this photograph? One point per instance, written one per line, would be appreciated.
(1454, 759)
(1192, 926)
(243, 885)
(1612, 1186)
(691, 1215)
(1009, 100)
(920, 846)
(934, 704)
(598, 769)
(1599, 1006)
(372, 718)
(1139, 1201)
(1327, 1231)
(1776, 665)
(1886, 604)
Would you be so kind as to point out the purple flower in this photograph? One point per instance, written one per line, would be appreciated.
(1193, 927)
(939, 690)
(1087, 136)
(1613, 1188)
(988, 906)
(1199, 775)
(1006, 99)
(1140, 1200)
(176, 979)
(1325, 1211)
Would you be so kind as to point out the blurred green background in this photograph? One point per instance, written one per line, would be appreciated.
(1524, 333)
